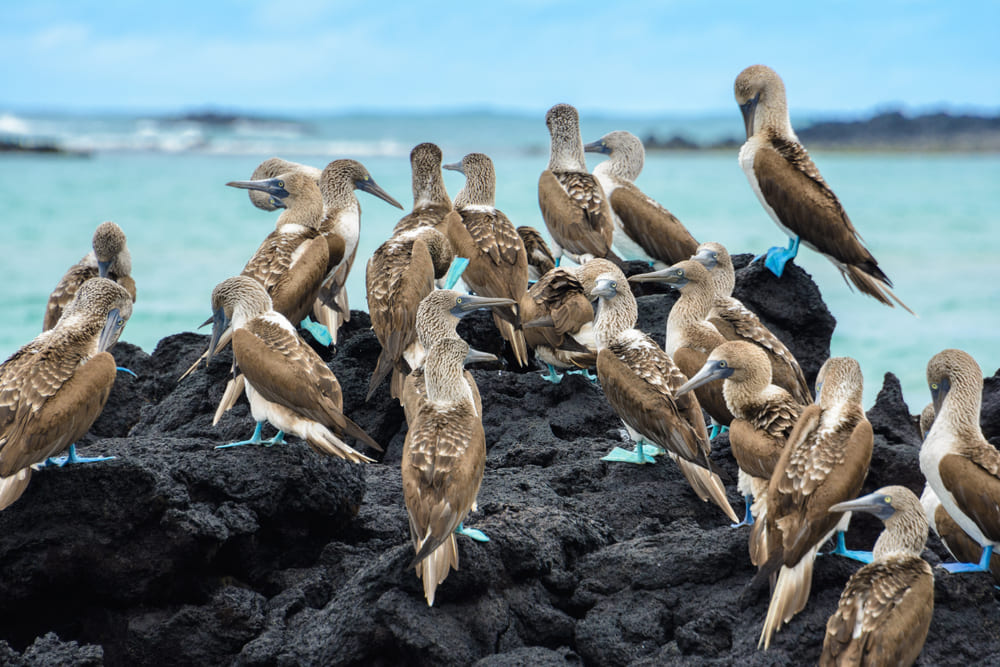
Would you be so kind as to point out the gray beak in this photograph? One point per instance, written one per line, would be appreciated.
(707, 258)
(468, 303)
(219, 324)
(673, 277)
(604, 288)
(876, 503)
(597, 147)
(749, 109)
(710, 372)
(454, 166)
(112, 328)
(371, 187)
(479, 357)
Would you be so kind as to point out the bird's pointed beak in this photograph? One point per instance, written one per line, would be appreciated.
(272, 186)
(219, 324)
(470, 303)
(749, 110)
(874, 503)
(604, 288)
(371, 187)
(710, 372)
(102, 269)
(937, 395)
(706, 258)
(597, 147)
(479, 357)
(669, 275)
(454, 166)
(112, 329)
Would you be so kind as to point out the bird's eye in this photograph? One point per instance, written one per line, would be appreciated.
(614, 285)
(934, 386)
(458, 300)
(281, 184)
(272, 201)
(888, 500)
(121, 322)
(367, 178)
(722, 364)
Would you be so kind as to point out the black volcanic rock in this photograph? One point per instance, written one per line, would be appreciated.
(177, 553)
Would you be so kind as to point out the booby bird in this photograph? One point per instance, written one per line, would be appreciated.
(432, 206)
(555, 310)
(572, 201)
(640, 382)
(825, 461)
(286, 382)
(53, 388)
(398, 276)
(886, 607)
(959, 464)
(763, 417)
(690, 336)
(644, 229)
(540, 259)
(341, 226)
(737, 322)
(272, 168)
(444, 457)
(792, 191)
(498, 263)
(109, 258)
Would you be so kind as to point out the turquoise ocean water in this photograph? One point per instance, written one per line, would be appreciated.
(931, 220)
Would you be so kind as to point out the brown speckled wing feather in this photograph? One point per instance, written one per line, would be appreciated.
(575, 212)
(889, 604)
(976, 488)
(430, 215)
(292, 288)
(64, 292)
(652, 226)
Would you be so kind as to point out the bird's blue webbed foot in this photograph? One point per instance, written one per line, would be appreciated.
(776, 257)
(585, 373)
(71, 457)
(471, 533)
(318, 331)
(748, 517)
(717, 430)
(255, 439)
(551, 375)
(455, 271)
(125, 370)
(842, 550)
(982, 566)
(644, 452)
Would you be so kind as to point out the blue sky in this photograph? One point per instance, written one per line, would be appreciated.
(626, 57)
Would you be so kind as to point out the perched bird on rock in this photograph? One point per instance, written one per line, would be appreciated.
(54, 388)
(554, 312)
(886, 607)
(792, 191)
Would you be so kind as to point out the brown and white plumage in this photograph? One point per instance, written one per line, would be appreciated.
(791, 189)
(53, 388)
(432, 206)
(557, 310)
(498, 263)
(962, 548)
(573, 203)
(540, 259)
(287, 383)
(109, 258)
(272, 168)
(444, 457)
(644, 229)
(341, 227)
(825, 461)
(959, 464)
(763, 417)
(690, 336)
(640, 382)
(398, 276)
(885, 610)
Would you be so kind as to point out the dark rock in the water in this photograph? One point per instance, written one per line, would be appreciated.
(177, 553)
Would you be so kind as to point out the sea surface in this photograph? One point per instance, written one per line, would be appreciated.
(931, 220)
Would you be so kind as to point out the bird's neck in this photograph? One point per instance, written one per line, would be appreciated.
(477, 192)
(428, 189)
(567, 153)
(613, 317)
(905, 532)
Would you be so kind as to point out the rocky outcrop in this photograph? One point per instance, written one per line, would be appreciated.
(177, 553)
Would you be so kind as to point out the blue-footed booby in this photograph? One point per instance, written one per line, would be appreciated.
(540, 259)
(287, 383)
(640, 382)
(886, 607)
(341, 226)
(498, 263)
(444, 457)
(737, 322)
(555, 311)
(109, 258)
(53, 388)
(398, 276)
(644, 229)
(690, 336)
(763, 417)
(272, 168)
(792, 191)
(961, 467)
(825, 461)
(572, 202)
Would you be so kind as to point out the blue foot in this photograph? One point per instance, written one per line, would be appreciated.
(748, 517)
(842, 550)
(255, 439)
(775, 258)
(982, 566)
(318, 331)
(455, 271)
(71, 457)
(643, 453)
(717, 430)
(585, 373)
(472, 533)
(125, 370)
(551, 375)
